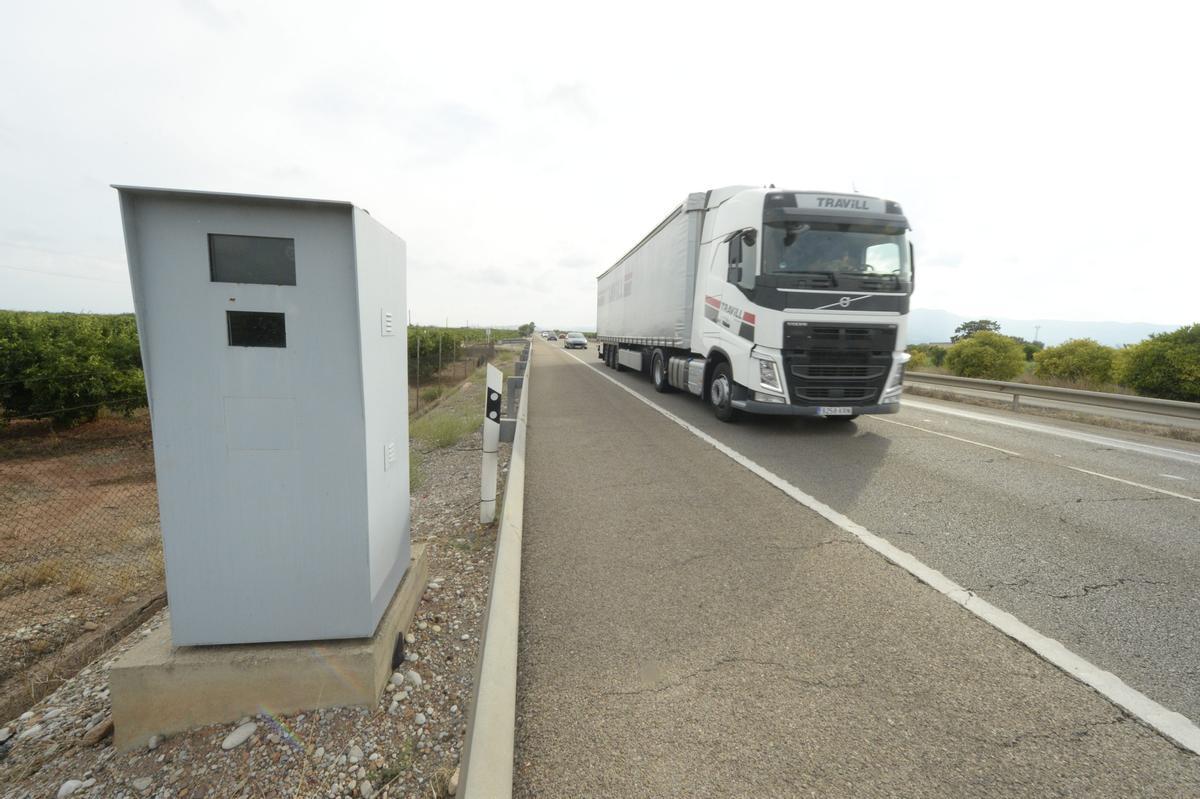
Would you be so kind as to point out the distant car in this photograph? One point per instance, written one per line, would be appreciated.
(551, 337)
(575, 341)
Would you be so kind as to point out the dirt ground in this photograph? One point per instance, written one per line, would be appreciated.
(79, 542)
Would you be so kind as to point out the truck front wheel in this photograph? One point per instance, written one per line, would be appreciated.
(720, 393)
(658, 366)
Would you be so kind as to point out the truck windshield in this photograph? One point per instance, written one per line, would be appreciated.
(835, 249)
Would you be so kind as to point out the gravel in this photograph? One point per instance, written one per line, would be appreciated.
(239, 736)
(399, 755)
(68, 788)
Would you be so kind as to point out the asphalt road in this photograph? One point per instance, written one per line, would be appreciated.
(689, 630)
(1110, 569)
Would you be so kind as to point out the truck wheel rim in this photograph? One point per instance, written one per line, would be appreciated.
(658, 371)
(720, 392)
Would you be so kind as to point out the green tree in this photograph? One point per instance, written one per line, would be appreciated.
(986, 354)
(1031, 348)
(918, 359)
(931, 354)
(66, 367)
(526, 329)
(968, 329)
(1080, 359)
(1166, 365)
(1120, 366)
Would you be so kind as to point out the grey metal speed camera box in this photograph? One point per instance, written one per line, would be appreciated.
(274, 345)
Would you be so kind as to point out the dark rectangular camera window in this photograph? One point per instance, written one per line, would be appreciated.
(256, 329)
(252, 259)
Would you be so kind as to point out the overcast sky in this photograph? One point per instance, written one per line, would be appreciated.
(1046, 156)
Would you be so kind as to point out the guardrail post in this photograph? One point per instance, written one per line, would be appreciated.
(513, 393)
(1016, 405)
(491, 446)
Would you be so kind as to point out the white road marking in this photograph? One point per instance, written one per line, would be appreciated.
(947, 435)
(1096, 474)
(1104, 441)
(1136, 485)
(1173, 725)
(1173, 477)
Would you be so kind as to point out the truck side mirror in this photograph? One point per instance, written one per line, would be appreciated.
(735, 273)
(912, 266)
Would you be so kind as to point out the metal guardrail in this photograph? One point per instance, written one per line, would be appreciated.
(1100, 399)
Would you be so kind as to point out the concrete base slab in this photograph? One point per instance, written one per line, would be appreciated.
(158, 689)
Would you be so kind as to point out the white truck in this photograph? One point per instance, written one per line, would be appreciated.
(766, 301)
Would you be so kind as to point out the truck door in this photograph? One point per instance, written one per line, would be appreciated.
(730, 279)
(714, 291)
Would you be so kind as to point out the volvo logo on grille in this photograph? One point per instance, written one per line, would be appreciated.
(842, 302)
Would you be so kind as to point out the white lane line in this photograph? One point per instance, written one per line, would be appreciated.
(1104, 441)
(1173, 725)
(880, 418)
(1019, 455)
(1173, 477)
(1136, 485)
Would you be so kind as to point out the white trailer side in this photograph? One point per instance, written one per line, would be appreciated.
(648, 296)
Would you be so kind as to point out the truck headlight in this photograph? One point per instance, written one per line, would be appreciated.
(768, 375)
(762, 396)
(895, 385)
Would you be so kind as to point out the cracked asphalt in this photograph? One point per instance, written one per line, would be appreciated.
(688, 630)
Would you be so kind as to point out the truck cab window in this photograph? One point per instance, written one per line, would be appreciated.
(883, 258)
(743, 260)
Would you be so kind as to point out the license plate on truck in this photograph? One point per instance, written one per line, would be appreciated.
(823, 411)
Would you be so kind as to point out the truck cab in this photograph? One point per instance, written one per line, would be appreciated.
(805, 298)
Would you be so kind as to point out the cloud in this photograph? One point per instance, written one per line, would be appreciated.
(571, 99)
(530, 160)
(207, 12)
(574, 262)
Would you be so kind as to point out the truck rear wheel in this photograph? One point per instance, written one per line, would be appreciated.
(658, 368)
(720, 393)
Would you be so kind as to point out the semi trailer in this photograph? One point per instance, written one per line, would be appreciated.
(766, 301)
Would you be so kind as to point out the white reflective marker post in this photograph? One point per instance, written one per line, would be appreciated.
(491, 445)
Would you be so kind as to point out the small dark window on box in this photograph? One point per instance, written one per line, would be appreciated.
(252, 259)
(256, 329)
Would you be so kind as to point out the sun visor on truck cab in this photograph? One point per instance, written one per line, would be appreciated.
(844, 209)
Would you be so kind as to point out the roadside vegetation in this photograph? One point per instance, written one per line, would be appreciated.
(459, 413)
(68, 367)
(1165, 365)
(430, 348)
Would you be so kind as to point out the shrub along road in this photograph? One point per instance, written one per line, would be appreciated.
(689, 630)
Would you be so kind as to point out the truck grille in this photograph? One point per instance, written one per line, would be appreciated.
(857, 394)
(827, 364)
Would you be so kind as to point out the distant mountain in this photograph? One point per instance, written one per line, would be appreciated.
(930, 325)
